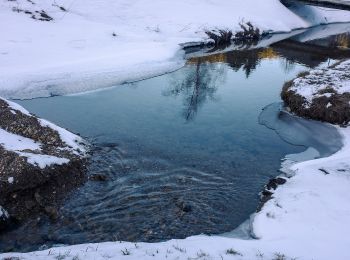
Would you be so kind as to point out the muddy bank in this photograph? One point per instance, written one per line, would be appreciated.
(39, 164)
(321, 94)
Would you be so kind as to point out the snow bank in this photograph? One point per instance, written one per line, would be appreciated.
(96, 44)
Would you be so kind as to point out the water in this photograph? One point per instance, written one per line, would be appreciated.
(184, 153)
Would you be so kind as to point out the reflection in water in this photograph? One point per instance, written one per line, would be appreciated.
(204, 74)
(301, 49)
(247, 60)
(200, 82)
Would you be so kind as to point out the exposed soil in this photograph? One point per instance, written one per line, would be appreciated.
(27, 189)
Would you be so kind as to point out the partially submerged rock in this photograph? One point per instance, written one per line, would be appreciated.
(269, 189)
(321, 94)
(39, 162)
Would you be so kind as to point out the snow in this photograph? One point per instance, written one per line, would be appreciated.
(319, 81)
(13, 142)
(10, 180)
(43, 160)
(77, 52)
(15, 107)
(75, 143)
(28, 148)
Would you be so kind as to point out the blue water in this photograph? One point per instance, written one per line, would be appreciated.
(184, 153)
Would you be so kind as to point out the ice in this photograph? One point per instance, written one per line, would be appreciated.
(322, 137)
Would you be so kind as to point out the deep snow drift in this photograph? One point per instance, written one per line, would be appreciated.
(96, 44)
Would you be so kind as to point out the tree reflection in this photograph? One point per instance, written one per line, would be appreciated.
(247, 60)
(199, 80)
(200, 83)
(313, 52)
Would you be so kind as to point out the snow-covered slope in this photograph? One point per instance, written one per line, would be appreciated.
(92, 44)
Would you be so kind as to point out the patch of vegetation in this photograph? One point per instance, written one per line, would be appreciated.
(60, 7)
(11, 257)
(249, 35)
(201, 254)
(303, 74)
(220, 37)
(279, 256)
(327, 90)
(182, 250)
(125, 252)
(249, 32)
(260, 255)
(231, 251)
(37, 15)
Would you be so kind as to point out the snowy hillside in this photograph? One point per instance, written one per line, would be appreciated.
(69, 46)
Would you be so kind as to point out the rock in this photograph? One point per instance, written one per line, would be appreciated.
(183, 206)
(52, 212)
(29, 204)
(267, 193)
(98, 177)
(38, 198)
(273, 183)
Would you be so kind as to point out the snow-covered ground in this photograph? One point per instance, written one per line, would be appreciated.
(323, 82)
(93, 44)
(307, 219)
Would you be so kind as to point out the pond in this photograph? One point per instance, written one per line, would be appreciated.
(184, 153)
